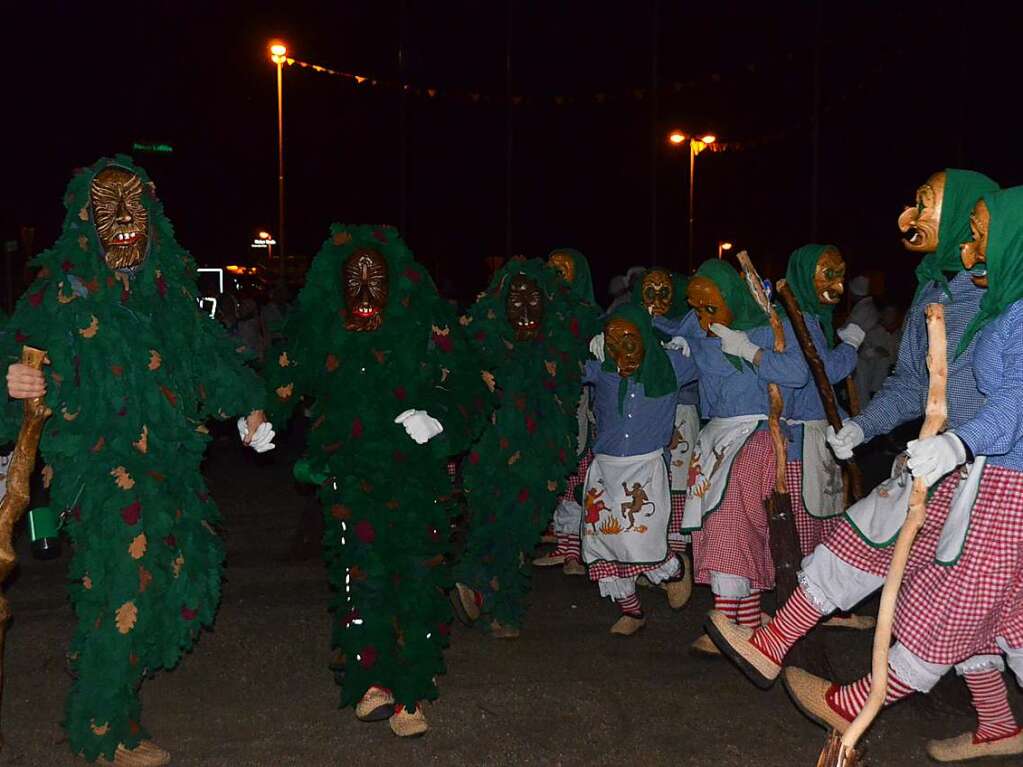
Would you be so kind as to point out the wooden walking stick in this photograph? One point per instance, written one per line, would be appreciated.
(820, 376)
(840, 751)
(19, 472)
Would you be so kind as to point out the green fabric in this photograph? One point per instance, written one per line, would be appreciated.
(135, 370)
(1004, 260)
(962, 190)
(515, 473)
(582, 285)
(746, 314)
(799, 275)
(655, 372)
(387, 501)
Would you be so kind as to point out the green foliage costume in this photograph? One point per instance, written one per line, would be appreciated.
(513, 476)
(387, 500)
(135, 370)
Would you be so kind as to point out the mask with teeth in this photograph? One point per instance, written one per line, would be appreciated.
(657, 292)
(974, 252)
(706, 300)
(524, 307)
(365, 283)
(624, 345)
(565, 265)
(829, 276)
(919, 223)
(121, 220)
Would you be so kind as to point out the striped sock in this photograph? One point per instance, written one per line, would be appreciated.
(991, 702)
(630, 605)
(748, 614)
(848, 699)
(729, 606)
(676, 545)
(569, 545)
(793, 621)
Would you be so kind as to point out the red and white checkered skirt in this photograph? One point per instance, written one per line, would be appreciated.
(812, 530)
(579, 478)
(604, 569)
(734, 538)
(947, 614)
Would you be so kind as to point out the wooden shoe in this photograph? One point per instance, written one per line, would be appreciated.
(573, 567)
(703, 647)
(734, 641)
(549, 560)
(680, 591)
(376, 705)
(809, 693)
(500, 631)
(628, 625)
(463, 600)
(406, 725)
(851, 622)
(963, 748)
(145, 754)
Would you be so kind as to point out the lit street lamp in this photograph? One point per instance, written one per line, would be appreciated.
(696, 145)
(268, 240)
(278, 55)
(723, 245)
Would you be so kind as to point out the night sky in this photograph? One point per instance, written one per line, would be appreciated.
(904, 89)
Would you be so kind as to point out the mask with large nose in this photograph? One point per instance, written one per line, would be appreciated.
(920, 222)
(974, 252)
(710, 306)
(365, 284)
(121, 219)
(524, 307)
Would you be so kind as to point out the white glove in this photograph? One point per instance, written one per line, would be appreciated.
(848, 437)
(735, 342)
(262, 440)
(420, 425)
(677, 343)
(597, 347)
(852, 334)
(934, 457)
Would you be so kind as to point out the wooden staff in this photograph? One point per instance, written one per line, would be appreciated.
(820, 376)
(19, 472)
(841, 751)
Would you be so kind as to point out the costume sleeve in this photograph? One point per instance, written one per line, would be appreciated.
(230, 388)
(591, 372)
(685, 368)
(787, 368)
(839, 362)
(998, 426)
(901, 397)
(669, 327)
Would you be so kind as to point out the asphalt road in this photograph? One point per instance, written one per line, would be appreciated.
(257, 690)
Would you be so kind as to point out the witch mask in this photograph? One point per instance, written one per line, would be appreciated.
(524, 307)
(829, 276)
(919, 223)
(121, 220)
(974, 252)
(365, 283)
(706, 300)
(564, 264)
(624, 345)
(657, 292)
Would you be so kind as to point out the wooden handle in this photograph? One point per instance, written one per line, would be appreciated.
(936, 415)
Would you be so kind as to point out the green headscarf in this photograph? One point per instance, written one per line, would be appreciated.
(1004, 260)
(679, 282)
(962, 190)
(655, 372)
(582, 285)
(799, 276)
(746, 314)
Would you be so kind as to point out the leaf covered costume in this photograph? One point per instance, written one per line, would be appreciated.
(513, 475)
(135, 369)
(387, 500)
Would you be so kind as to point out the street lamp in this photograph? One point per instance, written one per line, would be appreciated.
(278, 55)
(696, 145)
(723, 245)
(267, 238)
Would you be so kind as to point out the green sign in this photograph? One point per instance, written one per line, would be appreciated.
(152, 148)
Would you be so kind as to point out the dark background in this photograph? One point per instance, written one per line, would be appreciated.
(904, 89)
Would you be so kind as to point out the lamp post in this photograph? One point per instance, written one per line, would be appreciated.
(723, 245)
(696, 145)
(269, 240)
(278, 55)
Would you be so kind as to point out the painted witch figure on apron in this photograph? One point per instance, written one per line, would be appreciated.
(635, 385)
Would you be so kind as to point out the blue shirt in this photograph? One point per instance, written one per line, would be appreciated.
(996, 429)
(904, 393)
(645, 424)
